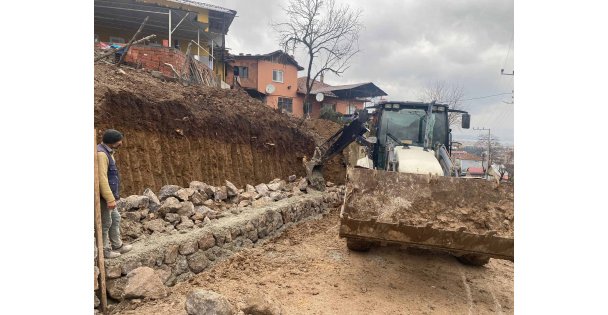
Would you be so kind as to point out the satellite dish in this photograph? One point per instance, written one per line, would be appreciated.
(269, 88)
(319, 97)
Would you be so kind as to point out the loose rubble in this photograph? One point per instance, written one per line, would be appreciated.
(177, 209)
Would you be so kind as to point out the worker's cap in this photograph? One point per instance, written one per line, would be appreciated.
(111, 136)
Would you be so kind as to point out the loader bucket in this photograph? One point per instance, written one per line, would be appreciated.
(458, 215)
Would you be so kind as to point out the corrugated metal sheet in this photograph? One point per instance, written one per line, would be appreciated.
(203, 5)
(337, 90)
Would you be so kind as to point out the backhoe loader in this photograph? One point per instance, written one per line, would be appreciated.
(402, 186)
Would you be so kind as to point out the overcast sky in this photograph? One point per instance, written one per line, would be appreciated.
(407, 45)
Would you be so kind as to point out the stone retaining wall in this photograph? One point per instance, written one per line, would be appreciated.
(178, 257)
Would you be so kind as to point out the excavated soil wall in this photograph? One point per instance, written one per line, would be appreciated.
(176, 134)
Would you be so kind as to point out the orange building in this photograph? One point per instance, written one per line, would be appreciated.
(344, 99)
(273, 79)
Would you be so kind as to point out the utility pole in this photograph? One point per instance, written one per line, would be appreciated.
(502, 72)
(489, 148)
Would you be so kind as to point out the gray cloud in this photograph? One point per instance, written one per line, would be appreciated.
(407, 45)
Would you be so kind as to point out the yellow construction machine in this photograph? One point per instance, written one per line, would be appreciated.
(402, 186)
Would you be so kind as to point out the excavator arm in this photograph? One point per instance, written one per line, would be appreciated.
(334, 145)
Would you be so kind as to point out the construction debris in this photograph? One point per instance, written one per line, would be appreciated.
(112, 51)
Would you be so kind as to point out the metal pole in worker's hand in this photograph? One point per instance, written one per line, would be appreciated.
(98, 234)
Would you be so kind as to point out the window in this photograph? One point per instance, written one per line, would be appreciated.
(243, 72)
(277, 76)
(285, 105)
(307, 108)
(409, 124)
(351, 109)
(332, 106)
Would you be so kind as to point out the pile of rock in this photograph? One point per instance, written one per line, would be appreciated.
(176, 209)
(180, 256)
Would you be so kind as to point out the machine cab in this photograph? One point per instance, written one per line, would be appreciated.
(405, 124)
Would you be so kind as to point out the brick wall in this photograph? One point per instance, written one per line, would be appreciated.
(154, 58)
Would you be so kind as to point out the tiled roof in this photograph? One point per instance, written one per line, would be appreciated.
(475, 170)
(461, 155)
(315, 86)
(279, 52)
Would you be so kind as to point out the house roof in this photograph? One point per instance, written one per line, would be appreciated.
(196, 4)
(281, 55)
(215, 12)
(475, 170)
(358, 90)
(462, 155)
(315, 86)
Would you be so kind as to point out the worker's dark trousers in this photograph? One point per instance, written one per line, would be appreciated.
(110, 226)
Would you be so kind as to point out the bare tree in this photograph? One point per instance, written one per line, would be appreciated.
(444, 93)
(327, 32)
(509, 164)
(490, 142)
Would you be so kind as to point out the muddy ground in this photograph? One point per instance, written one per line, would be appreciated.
(308, 270)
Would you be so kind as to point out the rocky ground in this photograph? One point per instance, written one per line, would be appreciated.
(308, 270)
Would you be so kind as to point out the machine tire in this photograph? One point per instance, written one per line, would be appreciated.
(358, 245)
(474, 260)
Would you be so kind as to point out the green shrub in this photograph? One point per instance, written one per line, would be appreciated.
(328, 113)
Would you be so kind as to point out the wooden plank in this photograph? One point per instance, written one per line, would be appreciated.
(98, 234)
(185, 66)
(128, 46)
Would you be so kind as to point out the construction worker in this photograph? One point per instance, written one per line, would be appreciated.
(109, 185)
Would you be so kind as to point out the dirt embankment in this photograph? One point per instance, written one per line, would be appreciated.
(176, 134)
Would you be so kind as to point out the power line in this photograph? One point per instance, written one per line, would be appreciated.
(508, 51)
(500, 119)
(477, 98)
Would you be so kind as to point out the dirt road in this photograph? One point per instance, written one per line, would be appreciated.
(308, 270)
